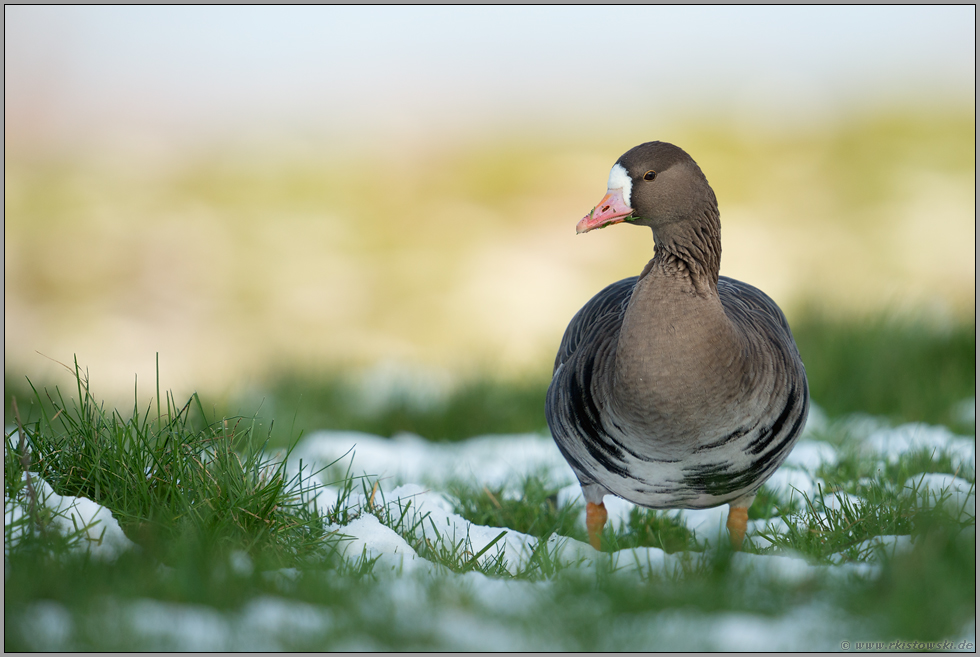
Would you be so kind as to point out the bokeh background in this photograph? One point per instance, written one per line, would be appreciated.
(253, 192)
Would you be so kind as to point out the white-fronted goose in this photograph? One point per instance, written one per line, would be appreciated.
(677, 388)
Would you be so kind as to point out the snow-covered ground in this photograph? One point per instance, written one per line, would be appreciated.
(415, 474)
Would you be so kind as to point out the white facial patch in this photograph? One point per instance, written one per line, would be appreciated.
(619, 178)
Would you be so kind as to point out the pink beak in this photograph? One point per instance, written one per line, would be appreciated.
(612, 209)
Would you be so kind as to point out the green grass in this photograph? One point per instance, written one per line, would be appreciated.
(202, 492)
(475, 407)
(535, 512)
(927, 592)
(905, 369)
(178, 483)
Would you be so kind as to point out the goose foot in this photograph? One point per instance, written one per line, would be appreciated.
(738, 518)
(595, 520)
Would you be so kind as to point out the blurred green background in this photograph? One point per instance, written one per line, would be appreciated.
(333, 218)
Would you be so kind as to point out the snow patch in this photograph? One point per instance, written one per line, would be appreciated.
(787, 483)
(493, 461)
(47, 626)
(376, 541)
(957, 495)
(893, 443)
(811, 454)
(102, 536)
(409, 497)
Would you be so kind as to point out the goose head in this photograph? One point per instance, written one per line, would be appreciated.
(655, 184)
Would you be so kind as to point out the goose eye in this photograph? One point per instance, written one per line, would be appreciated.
(650, 175)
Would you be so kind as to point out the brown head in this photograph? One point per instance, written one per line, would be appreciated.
(658, 185)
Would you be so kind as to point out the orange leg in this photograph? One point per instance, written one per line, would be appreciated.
(595, 520)
(738, 518)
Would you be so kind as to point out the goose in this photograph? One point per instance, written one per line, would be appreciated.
(677, 388)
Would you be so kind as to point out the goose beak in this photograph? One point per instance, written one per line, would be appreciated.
(612, 209)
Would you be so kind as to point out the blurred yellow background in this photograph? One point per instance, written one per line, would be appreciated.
(438, 231)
